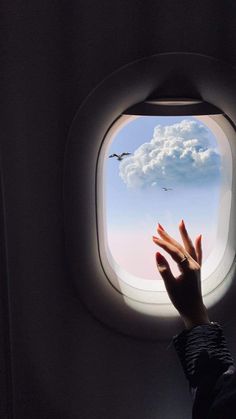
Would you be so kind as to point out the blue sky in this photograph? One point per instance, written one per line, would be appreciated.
(175, 152)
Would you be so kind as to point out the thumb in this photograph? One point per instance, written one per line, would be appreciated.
(164, 269)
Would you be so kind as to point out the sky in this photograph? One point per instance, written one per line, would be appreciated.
(180, 153)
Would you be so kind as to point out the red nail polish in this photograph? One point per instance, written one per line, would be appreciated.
(160, 226)
(159, 258)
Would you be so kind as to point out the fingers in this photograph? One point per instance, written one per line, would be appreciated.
(198, 245)
(187, 241)
(164, 269)
(173, 251)
(165, 236)
(188, 245)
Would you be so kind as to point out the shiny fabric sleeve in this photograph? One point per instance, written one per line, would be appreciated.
(209, 368)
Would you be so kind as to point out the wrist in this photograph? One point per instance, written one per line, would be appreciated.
(196, 320)
(189, 324)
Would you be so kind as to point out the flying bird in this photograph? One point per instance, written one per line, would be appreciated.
(167, 189)
(119, 156)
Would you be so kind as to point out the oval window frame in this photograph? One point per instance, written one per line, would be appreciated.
(162, 75)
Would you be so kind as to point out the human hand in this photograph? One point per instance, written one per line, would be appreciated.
(185, 290)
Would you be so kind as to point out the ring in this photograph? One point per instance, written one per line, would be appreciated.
(183, 260)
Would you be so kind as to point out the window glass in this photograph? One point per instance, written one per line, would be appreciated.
(173, 171)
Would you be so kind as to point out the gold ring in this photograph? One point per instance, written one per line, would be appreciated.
(183, 260)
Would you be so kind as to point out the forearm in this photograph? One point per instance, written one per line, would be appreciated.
(201, 348)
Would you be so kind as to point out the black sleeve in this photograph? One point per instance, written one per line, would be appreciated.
(209, 368)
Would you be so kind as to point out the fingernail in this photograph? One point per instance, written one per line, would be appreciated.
(160, 259)
(160, 226)
(154, 238)
(183, 225)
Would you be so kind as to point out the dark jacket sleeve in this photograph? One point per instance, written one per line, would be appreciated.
(209, 368)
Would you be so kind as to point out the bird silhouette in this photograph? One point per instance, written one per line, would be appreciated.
(167, 189)
(119, 156)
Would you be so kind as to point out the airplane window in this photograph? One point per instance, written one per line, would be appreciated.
(162, 169)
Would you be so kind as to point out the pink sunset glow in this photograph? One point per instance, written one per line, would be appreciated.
(135, 251)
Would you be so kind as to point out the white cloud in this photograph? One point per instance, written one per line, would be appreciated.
(177, 154)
